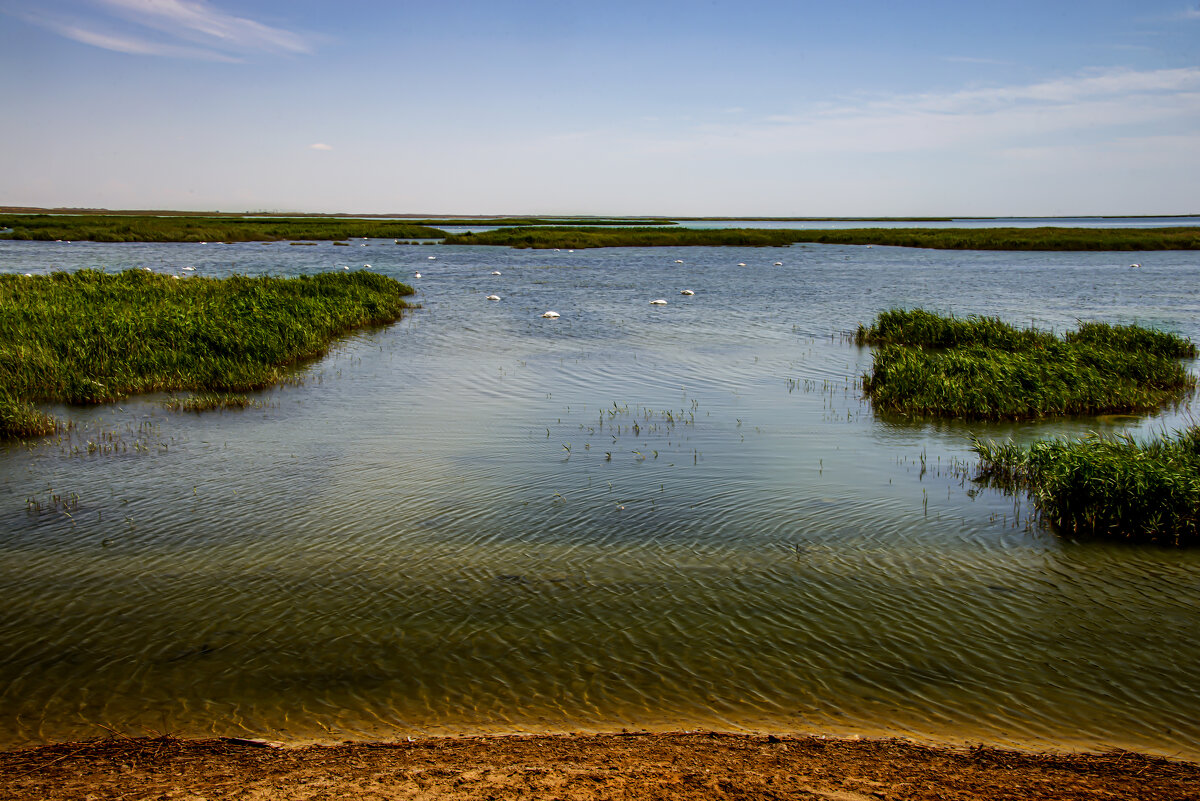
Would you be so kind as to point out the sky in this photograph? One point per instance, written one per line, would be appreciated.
(703, 108)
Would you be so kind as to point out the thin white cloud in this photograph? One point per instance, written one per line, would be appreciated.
(191, 29)
(1091, 105)
(198, 21)
(320, 146)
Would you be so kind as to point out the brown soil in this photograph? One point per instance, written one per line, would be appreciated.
(627, 766)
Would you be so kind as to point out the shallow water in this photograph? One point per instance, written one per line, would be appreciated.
(632, 516)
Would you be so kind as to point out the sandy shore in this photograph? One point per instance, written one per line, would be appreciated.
(634, 766)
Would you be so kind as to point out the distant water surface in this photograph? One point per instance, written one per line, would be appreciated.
(632, 516)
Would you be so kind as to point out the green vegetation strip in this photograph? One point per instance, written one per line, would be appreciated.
(535, 221)
(116, 228)
(1113, 488)
(208, 401)
(984, 368)
(92, 337)
(1129, 239)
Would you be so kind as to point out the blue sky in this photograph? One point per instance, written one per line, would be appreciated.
(672, 108)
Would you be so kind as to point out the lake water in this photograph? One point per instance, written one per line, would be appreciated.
(633, 516)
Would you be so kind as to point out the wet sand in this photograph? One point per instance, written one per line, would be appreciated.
(684, 765)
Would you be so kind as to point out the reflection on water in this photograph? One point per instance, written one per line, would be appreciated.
(630, 516)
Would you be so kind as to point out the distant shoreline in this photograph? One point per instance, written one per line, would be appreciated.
(442, 218)
(1043, 238)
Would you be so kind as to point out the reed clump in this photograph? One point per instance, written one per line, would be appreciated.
(208, 401)
(984, 368)
(1106, 487)
(91, 337)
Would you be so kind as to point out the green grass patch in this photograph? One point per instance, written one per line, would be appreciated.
(1047, 238)
(984, 368)
(91, 337)
(1111, 488)
(128, 228)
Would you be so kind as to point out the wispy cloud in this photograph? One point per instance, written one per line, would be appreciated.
(198, 21)
(320, 146)
(1091, 104)
(178, 28)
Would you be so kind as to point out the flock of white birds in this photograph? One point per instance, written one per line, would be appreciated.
(553, 315)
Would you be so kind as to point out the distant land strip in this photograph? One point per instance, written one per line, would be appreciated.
(1044, 238)
(144, 228)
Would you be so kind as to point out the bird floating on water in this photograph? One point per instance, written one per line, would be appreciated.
(493, 297)
(687, 292)
(741, 264)
(778, 264)
(550, 314)
(495, 272)
(658, 302)
(189, 269)
(1135, 265)
(679, 261)
(431, 258)
(416, 275)
(365, 267)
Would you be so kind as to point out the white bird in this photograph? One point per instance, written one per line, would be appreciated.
(778, 264)
(189, 269)
(741, 264)
(495, 272)
(345, 266)
(659, 302)
(679, 261)
(493, 297)
(431, 258)
(365, 267)
(570, 251)
(416, 275)
(1135, 265)
(550, 314)
(147, 269)
(29, 275)
(687, 292)
(176, 277)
